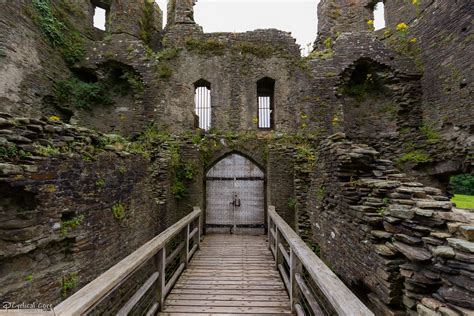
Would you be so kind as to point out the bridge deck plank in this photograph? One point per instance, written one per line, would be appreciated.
(230, 275)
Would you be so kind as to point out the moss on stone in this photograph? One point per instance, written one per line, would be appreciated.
(417, 156)
(59, 31)
(210, 46)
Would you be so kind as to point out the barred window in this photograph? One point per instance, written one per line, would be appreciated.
(202, 101)
(265, 92)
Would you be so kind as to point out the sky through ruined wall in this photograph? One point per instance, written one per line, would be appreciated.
(296, 16)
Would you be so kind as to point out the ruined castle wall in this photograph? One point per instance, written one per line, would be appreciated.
(385, 235)
(33, 58)
(73, 204)
(443, 31)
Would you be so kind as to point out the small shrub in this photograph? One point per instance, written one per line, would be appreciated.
(146, 22)
(29, 277)
(292, 203)
(76, 93)
(164, 71)
(416, 157)
(71, 224)
(68, 283)
(12, 152)
(134, 80)
(100, 183)
(320, 193)
(428, 129)
(118, 210)
(47, 151)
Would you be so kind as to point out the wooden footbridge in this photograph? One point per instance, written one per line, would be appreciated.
(186, 273)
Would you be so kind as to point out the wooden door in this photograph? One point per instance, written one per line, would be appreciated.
(235, 197)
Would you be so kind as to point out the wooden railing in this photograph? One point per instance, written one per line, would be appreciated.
(87, 298)
(305, 275)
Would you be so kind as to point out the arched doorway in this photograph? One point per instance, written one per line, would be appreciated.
(235, 200)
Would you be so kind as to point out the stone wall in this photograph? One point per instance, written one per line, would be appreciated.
(73, 204)
(384, 234)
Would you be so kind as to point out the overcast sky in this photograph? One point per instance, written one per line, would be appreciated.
(296, 16)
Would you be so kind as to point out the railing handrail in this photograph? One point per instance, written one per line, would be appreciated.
(93, 292)
(336, 292)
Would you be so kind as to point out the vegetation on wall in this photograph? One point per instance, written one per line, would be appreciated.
(71, 224)
(118, 211)
(12, 153)
(79, 94)
(68, 283)
(209, 46)
(260, 50)
(415, 157)
(59, 31)
(364, 80)
(146, 22)
(404, 44)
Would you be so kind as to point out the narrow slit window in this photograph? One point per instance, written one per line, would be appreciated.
(202, 101)
(100, 16)
(379, 16)
(265, 91)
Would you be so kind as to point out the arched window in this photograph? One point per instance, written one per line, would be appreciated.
(265, 92)
(379, 16)
(202, 101)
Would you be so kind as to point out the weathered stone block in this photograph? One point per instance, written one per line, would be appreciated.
(461, 244)
(444, 251)
(7, 169)
(467, 231)
(413, 253)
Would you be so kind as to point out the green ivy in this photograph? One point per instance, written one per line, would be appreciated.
(60, 33)
(80, 94)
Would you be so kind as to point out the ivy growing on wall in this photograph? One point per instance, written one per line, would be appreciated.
(60, 32)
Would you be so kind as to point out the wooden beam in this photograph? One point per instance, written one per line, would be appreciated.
(138, 295)
(80, 302)
(175, 253)
(338, 295)
(152, 311)
(299, 310)
(308, 295)
(284, 253)
(174, 278)
(191, 235)
(284, 277)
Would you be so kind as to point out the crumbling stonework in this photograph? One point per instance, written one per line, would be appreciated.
(69, 202)
(402, 241)
(377, 211)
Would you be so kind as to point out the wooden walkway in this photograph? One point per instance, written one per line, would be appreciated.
(230, 274)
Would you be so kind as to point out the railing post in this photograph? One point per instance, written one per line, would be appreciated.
(277, 241)
(199, 231)
(269, 228)
(187, 244)
(162, 276)
(295, 267)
